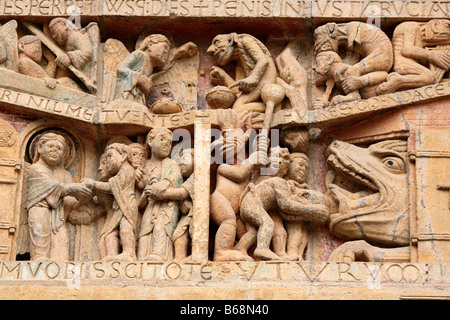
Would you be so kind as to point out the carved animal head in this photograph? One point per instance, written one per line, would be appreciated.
(223, 48)
(375, 207)
(437, 30)
(326, 38)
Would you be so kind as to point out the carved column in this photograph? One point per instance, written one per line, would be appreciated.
(202, 156)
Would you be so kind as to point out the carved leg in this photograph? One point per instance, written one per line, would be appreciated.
(111, 245)
(297, 239)
(412, 75)
(253, 213)
(279, 238)
(247, 240)
(40, 229)
(128, 240)
(223, 215)
(181, 245)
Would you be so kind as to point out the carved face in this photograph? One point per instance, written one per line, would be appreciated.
(161, 145)
(52, 152)
(137, 157)
(159, 53)
(323, 65)
(102, 169)
(436, 31)
(187, 164)
(279, 163)
(222, 49)
(60, 33)
(371, 188)
(114, 161)
(32, 50)
(298, 166)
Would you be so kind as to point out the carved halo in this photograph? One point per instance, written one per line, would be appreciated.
(70, 155)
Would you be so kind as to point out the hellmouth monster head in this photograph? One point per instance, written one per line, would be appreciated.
(370, 187)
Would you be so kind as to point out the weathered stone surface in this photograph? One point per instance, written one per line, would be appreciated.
(343, 194)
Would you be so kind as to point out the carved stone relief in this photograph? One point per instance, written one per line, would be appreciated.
(278, 184)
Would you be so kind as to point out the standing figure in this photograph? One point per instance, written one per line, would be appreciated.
(297, 233)
(185, 194)
(155, 239)
(120, 225)
(232, 181)
(133, 73)
(255, 68)
(51, 197)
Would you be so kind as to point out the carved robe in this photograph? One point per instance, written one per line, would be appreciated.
(79, 49)
(160, 217)
(185, 223)
(136, 64)
(124, 205)
(48, 211)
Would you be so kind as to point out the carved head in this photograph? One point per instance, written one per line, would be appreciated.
(51, 149)
(371, 188)
(187, 162)
(138, 155)
(326, 39)
(159, 140)
(437, 30)
(102, 169)
(31, 46)
(223, 48)
(158, 47)
(324, 64)
(233, 127)
(295, 138)
(60, 30)
(279, 161)
(298, 167)
(116, 155)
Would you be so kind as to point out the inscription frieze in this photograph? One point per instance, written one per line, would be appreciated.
(231, 8)
(298, 272)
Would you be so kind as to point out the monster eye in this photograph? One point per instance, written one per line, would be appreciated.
(394, 165)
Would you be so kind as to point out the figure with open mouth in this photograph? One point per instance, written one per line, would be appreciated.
(374, 209)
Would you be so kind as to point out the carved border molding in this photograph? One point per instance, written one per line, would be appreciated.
(291, 9)
(28, 103)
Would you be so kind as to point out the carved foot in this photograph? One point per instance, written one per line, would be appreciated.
(266, 254)
(394, 82)
(287, 257)
(231, 255)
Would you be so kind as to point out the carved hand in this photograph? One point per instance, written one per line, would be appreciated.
(63, 61)
(50, 82)
(351, 84)
(48, 55)
(144, 84)
(187, 50)
(217, 76)
(78, 190)
(246, 85)
(440, 59)
(88, 182)
(319, 104)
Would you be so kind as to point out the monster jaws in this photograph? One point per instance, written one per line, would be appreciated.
(375, 209)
